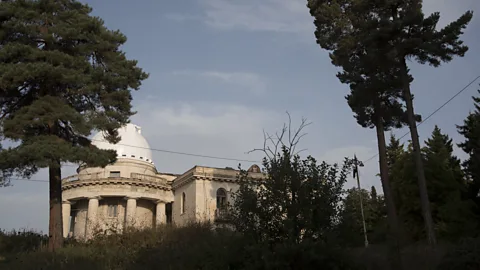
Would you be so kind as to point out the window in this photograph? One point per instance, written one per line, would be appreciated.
(221, 198)
(183, 202)
(114, 174)
(112, 210)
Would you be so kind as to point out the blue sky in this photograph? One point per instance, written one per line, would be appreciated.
(221, 71)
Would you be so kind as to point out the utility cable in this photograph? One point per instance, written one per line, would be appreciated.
(433, 113)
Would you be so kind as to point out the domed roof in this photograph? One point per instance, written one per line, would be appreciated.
(132, 144)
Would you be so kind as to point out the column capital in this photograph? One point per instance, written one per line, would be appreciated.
(160, 201)
(95, 197)
(131, 198)
(66, 202)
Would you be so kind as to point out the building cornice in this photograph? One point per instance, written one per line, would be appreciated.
(114, 181)
(212, 174)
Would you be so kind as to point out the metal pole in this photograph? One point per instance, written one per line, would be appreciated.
(361, 200)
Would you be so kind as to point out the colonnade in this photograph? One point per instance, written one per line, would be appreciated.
(92, 214)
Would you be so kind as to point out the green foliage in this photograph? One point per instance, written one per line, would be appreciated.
(21, 241)
(464, 255)
(452, 213)
(350, 224)
(299, 199)
(470, 130)
(196, 246)
(62, 75)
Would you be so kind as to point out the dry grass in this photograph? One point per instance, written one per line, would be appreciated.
(198, 246)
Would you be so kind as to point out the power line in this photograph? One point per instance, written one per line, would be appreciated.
(434, 112)
(253, 161)
(29, 180)
(186, 154)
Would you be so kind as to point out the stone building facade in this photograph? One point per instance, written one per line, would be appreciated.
(131, 192)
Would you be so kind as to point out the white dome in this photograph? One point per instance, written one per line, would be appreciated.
(132, 144)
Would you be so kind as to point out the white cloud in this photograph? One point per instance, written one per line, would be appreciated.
(288, 16)
(246, 80)
(268, 15)
(292, 16)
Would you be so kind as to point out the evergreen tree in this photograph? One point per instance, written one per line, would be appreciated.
(452, 214)
(62, 75)
(397, 30)
(375, 100)
(405, 190)
(470, 130)
(351, 225)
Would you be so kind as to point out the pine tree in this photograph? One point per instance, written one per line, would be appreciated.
(412, 36)
(374, 100)
(375, 91)
(397, 30)
(470, 130)
(62, 76)
(452, 214)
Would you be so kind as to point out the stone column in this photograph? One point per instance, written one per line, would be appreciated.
(130, 213)
(91, 216)
(66, 209)
(160, 216)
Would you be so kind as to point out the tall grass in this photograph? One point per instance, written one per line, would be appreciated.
(199, 246)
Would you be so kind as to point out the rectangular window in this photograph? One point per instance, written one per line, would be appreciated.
(112, 210)
(114, 174)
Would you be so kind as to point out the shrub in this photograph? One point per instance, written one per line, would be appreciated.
(21, 241)
(465, 255)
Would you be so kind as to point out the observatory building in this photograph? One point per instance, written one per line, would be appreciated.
(132, 193)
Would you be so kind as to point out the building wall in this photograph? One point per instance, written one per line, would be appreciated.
(116, 190)
(125, 166)
(206, 197)
(180, 218)
(79, 218)
(144, 214)
(112, 224)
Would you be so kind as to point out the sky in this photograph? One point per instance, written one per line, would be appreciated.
(222, 72)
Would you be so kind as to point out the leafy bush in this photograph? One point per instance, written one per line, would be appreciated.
(465, 255)
(21, 241)
(197, 246)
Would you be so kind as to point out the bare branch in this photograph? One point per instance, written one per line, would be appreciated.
(273, 144)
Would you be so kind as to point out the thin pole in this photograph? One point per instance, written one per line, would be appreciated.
(361, 200)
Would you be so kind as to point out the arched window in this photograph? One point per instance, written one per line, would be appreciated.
(221, 198)
(184, 197)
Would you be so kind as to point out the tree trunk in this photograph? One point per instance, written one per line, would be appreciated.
(422, 184)
(55, 228)
(394, 232)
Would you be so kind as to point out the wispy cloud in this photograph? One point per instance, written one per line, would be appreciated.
(246, 80)
(287, 16)
(268, 15)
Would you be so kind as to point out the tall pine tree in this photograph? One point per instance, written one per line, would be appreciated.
(398, 30)
(375, 97)
(470, 130)
(62, 75)
(452, 214)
